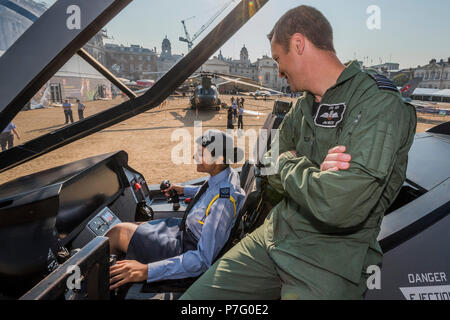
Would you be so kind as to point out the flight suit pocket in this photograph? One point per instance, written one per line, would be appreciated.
(344, 257)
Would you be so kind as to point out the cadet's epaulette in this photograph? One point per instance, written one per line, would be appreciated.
(383, 82)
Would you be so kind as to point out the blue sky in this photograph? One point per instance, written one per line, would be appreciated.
(412, 32)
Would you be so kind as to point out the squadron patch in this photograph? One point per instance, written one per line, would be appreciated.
(329, 115)
(225, 193)
(383, 82)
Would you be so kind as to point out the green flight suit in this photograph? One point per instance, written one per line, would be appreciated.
(319, 240)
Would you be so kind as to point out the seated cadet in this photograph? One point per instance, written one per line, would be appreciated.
(176, 248)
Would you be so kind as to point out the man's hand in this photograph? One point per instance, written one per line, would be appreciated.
(178, 189)
(126, 271)
(336, 160)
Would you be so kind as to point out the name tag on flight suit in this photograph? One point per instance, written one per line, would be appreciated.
(225, 193)
(329, 115)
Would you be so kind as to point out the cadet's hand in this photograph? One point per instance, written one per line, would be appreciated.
(126, 271)
(336, 160)
(178, 189)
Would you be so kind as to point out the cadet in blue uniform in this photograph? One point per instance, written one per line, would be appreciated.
(67, 107)
(7, 137)
(176, 248)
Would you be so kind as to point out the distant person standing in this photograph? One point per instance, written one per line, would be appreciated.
(67, 107)
(7, 137)
(230, 119)
(81, 108)
(234, 105)
(241, 114)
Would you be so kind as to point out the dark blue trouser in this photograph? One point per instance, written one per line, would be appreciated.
(68, 115)
(6, 140)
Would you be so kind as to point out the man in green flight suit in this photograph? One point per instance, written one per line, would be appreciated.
(343, 157)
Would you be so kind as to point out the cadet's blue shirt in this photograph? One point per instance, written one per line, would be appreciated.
(212, 234)
(9, 128)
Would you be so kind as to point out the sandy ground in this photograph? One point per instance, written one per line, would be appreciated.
(146, 138)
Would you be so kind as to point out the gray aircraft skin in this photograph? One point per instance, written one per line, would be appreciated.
(44, 229)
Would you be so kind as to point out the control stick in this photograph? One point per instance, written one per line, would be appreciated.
(173, 195)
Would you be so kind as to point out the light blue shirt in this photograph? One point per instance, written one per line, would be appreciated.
(212, 234)
(9, 127)
(241, 111)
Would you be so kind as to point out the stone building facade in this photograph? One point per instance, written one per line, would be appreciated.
(264, 71)
(133, 62)
(435, 75)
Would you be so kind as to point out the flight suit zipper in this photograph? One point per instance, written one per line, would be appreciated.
(355, 122)
(338, 134)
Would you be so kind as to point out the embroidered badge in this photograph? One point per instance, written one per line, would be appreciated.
(225, 193)
(329, 115)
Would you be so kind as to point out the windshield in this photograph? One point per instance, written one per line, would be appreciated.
(16, 16)
(148, 38)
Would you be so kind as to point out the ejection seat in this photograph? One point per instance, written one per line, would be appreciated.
(250, 217)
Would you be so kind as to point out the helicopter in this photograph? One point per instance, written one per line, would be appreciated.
(205, 95)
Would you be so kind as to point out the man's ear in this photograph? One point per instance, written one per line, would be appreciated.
(298, 42)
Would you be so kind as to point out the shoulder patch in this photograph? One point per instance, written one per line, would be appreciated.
(225, 193)
(329, 115)
(383, 82)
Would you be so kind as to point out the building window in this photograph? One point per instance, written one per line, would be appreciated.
(426, 76)
(149, 68)
(438, 75)
(131, 58)
(140, 58)
(55, 92)
(148, 58)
